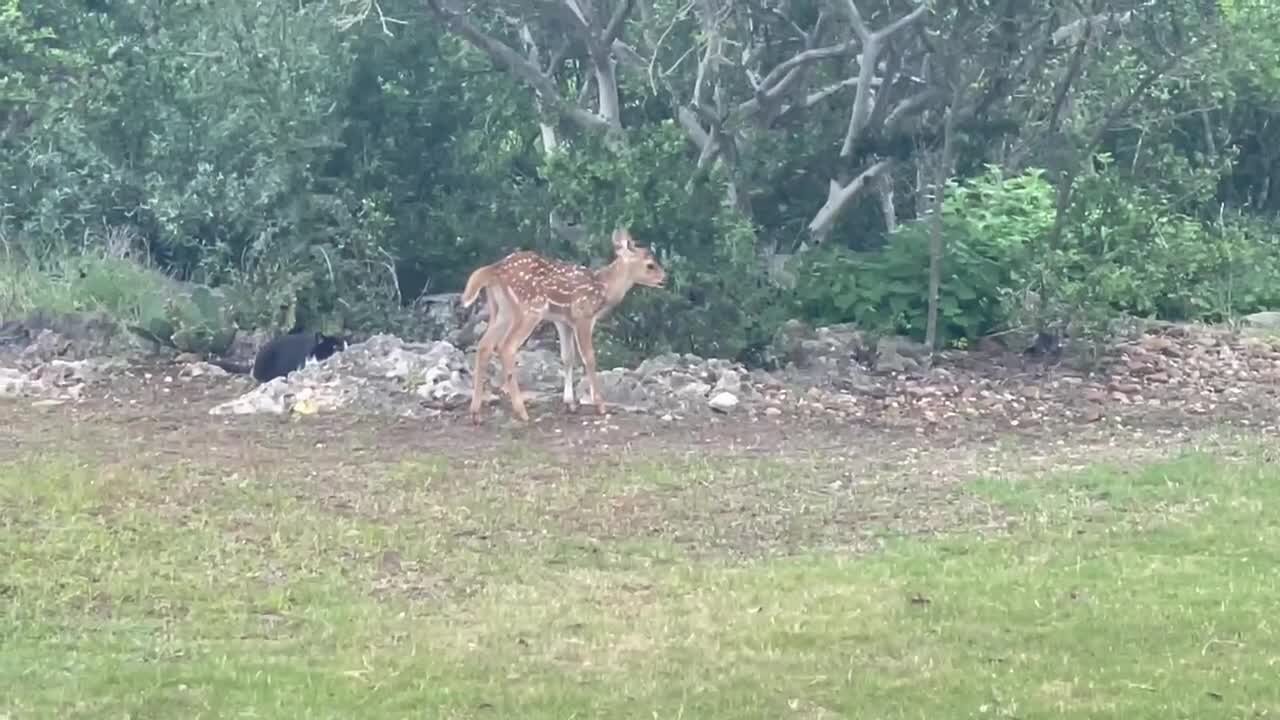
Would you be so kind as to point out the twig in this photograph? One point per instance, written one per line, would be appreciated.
(390, 265)
(326, 262)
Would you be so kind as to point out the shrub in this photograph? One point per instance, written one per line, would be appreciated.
(989, 225)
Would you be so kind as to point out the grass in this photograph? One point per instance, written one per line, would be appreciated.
(91, 282)
(1147, 593)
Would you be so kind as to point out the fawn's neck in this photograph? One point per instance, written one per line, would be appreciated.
(616, 284)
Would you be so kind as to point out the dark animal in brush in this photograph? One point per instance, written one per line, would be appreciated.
(282, 355)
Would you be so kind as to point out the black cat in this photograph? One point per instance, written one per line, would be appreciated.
(282, 355)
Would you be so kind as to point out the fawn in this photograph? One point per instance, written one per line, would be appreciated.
(525, 288)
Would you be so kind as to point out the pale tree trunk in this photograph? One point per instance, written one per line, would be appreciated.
(941, 174)
(606, 73)
(884, 188)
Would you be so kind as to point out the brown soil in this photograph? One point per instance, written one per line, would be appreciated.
(810, 479)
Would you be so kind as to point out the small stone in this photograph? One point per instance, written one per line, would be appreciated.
(729, 381)
(773, 411)
(723, 401)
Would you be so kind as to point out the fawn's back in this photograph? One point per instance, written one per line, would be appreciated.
(544, 284)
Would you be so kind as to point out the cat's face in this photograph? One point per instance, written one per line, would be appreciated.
(327, 345)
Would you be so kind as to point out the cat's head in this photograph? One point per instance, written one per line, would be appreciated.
(327, 345)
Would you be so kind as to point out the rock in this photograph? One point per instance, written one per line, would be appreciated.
(729, 381)
(67, 372)
(910, 348)
(539, 370)
(441, 315)
(46, 346)
(445, 385)
(1265, 320)
(658, 364)
(773, 411)
(266, 398)
(786, 344)
(200, 369)
(723, 401)
(619, 386)
(890, 358)
(828, 349)
(693, 389)
(245, 345)
(15, 383)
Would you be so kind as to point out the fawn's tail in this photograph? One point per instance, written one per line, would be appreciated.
(479, 280)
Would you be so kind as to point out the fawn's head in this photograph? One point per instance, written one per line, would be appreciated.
(639, 263)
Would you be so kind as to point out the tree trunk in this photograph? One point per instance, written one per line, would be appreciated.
(884, 188)
(606, 75)
(941, 175)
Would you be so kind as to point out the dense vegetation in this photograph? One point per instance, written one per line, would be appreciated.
(329, 161)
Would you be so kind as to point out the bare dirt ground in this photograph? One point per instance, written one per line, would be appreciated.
(746, 484)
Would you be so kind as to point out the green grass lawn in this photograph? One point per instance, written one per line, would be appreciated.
(1150, 593)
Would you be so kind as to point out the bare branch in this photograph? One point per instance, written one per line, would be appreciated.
(859, 25)
(1085, 25)
(689, 121)
(839, 197)
(903, 21)
(1074, 68)
(862, 97)
(777, 75)
(629, 57)
(911, 105)
(613, 30)
(814, 98)
(579, 12)
(872, 45)
(530, 73)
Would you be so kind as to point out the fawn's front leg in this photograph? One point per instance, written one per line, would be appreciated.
(568, 355)
(582, 330)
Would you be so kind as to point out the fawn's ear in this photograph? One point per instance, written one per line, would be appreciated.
(622, 242)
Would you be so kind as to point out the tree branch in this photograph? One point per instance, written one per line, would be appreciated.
(859, 25)
(520, 66)
(838, 197)
(872, 45)
(778, 74)
(910, 105)
(1068, 79)
(613, 30)
(903, 21)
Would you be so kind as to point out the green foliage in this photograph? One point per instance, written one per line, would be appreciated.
(89, 282)
(989, 224)
(1126, 251)
(325, 177)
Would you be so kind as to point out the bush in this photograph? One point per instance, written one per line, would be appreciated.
(989, 225)
(78, 282)
(1125, 252)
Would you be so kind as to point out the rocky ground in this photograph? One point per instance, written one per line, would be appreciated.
(897, 439)
(1168, 376)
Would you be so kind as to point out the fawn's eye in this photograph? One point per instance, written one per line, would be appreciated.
(651, 266)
